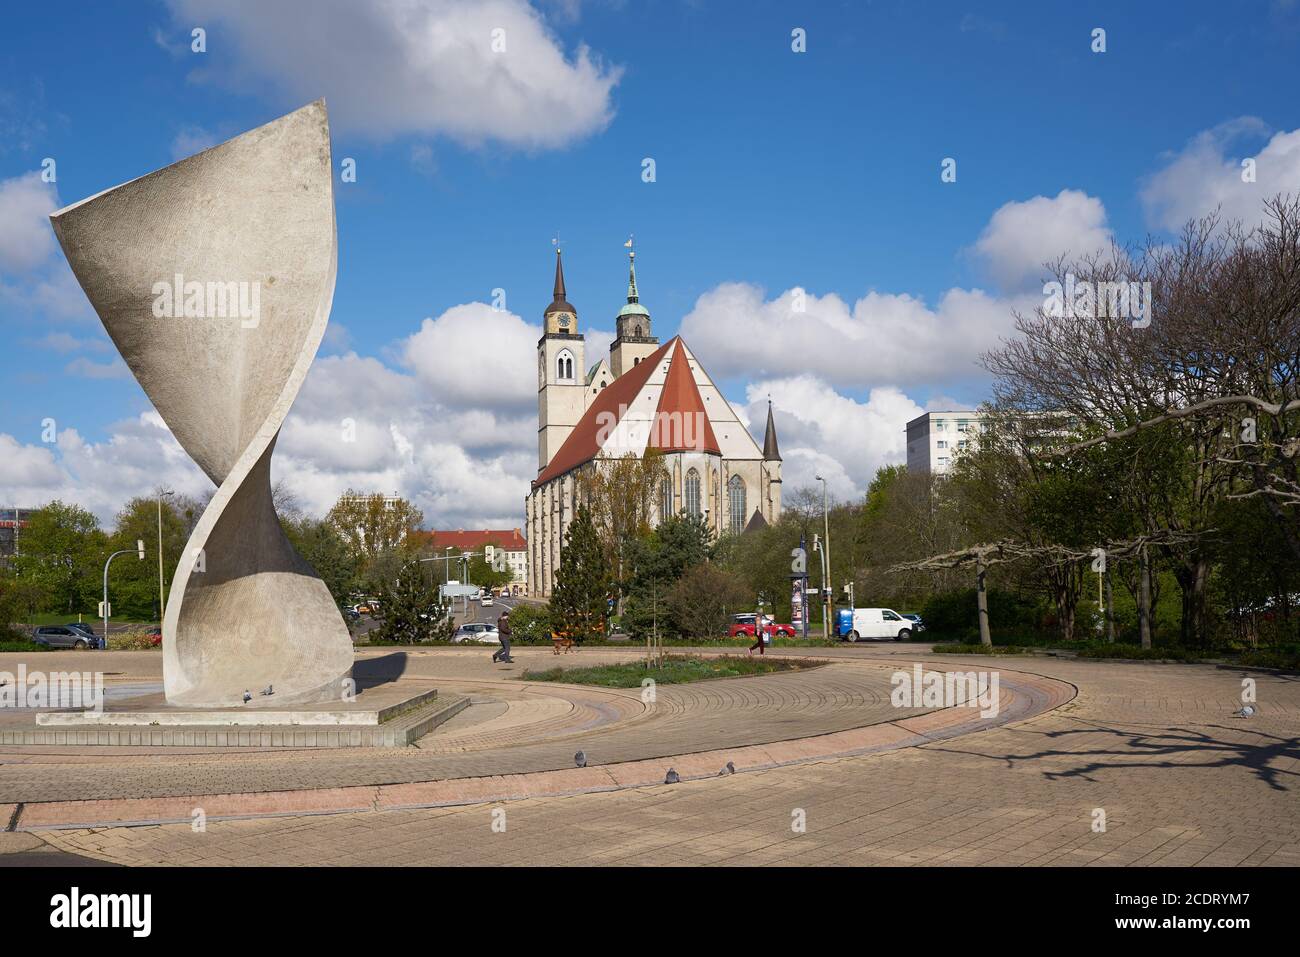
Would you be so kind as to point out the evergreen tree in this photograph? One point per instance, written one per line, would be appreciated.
(321, 545)
(584, 583)
(655, 562)
(411, 611)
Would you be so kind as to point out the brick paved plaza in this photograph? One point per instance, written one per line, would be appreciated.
(1152, 747)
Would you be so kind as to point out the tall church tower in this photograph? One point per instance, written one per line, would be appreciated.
(633, 341)
(561, 371)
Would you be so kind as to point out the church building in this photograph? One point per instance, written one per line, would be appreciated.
(645, 395)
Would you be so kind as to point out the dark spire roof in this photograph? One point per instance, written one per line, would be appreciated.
(559, 303)
(770, 452)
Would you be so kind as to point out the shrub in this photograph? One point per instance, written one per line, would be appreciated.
(132, 639)
(1282, 660)
(530, 623)
(1106, 649)
(955, 614)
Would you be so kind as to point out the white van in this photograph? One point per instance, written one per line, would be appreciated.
(878, 623)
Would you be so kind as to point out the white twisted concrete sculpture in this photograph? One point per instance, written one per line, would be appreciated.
(214, 277)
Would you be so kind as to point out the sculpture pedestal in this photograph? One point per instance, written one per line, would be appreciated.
(388, 716)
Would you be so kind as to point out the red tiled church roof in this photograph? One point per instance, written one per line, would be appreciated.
(680, 398)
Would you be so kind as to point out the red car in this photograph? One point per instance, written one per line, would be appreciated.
(744, 625)
(155, 636)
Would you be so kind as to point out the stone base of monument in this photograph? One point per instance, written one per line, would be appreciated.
(385, 716)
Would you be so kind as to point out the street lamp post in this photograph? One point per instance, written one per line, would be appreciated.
(828, 598)
(139, 550)
(162, 600)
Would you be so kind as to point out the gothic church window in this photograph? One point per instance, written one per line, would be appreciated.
(692, 489)
(665, 497)
(736, 502)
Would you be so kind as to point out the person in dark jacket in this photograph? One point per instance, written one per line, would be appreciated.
(502, 654)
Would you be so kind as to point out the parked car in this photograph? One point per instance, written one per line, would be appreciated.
(867, 623)
(916, 620)
(477, 631)
(94, 640)
(62, 636)
(744, 625)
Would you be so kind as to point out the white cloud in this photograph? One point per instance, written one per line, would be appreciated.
(822, 432)
(434, 430)
(64, 343)
(438, 431)
(89, 369)
(39, 281)
(26, 466)
(26, 239)
(1204, 175)
(504, 371)
(102, 476)
(883, 339)
(1021, 236)
(190, 140)
(425, 67)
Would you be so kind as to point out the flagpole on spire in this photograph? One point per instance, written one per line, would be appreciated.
(630, 246)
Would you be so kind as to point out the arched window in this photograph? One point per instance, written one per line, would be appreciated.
(736, 502)
(665, 497)
(564, 366)
(692, 495)
(637, 332)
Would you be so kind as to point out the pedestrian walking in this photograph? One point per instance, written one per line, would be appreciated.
(502, 654)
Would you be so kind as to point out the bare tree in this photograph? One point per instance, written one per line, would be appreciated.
(621, 494)
(1221, 336)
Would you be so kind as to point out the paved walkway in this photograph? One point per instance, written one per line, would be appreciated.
(1144, 766)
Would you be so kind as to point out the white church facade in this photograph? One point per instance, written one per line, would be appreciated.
(643, 396)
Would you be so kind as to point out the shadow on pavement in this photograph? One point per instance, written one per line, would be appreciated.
(372, 672)
(1119, 749)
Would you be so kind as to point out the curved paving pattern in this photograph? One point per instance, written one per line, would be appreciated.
(1154, 747)
(543, 726)
(840, 708)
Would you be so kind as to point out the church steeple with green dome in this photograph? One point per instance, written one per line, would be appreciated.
(633, 322)
(633, 338)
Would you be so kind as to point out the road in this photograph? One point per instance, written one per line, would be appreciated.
(474, 612)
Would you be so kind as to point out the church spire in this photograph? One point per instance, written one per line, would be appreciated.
(559, 276)
(632, 295)
(565, 316)
(770, 452)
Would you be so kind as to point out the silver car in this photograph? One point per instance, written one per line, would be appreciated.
(62, 636)
(479, 631)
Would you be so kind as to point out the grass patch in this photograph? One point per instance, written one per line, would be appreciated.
(1281, 660)
(677, 669)
(21, 646)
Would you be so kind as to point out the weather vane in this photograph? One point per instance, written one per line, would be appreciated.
(630, 245)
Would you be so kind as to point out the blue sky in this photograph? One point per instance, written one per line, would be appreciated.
(774, 170)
